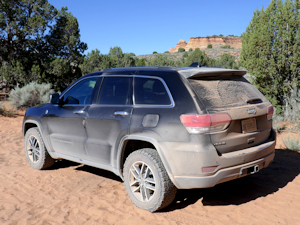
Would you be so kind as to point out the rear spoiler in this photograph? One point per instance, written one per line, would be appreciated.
(210, 72)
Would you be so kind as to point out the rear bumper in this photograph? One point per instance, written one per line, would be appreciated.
(231, 166)
(222, 175)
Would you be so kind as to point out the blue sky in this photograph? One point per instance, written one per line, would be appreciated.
(145, 26)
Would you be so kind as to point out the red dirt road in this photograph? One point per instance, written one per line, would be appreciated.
(71, 193)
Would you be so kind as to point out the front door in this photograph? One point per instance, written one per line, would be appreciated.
(66, 122)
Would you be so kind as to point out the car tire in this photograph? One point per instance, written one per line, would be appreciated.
(35, 150)
(147, 182)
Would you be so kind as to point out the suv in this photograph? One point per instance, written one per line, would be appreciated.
(159, 128)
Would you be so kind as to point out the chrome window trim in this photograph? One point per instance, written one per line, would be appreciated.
(133, 105)
(74, 105)
(156, 106)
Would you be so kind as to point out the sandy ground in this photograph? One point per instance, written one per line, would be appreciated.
(72, 193)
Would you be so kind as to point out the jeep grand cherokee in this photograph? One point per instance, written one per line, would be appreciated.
(159, 128)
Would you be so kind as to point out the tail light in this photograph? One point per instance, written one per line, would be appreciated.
(270, 111)
(209, 169)
(196, 124)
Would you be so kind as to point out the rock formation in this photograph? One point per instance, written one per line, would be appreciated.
(202, 42)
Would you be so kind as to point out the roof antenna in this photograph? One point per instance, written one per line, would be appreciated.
(195, 64)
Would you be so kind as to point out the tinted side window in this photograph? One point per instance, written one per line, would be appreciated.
(150, 91)
(115, 91)
(81, 92)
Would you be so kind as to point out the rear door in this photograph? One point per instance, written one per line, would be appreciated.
(109, 118)
(153, 107)
(246, 106)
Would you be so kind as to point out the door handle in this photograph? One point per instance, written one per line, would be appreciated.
(79, 111)
(121, 113)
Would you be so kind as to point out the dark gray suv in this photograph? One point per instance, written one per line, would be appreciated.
(159, 128)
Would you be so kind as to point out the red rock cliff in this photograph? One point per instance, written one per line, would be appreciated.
(202, 42)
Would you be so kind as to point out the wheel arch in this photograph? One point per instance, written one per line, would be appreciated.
(125, 149)
(29, 124)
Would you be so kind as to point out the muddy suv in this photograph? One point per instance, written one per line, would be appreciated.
(159, 128)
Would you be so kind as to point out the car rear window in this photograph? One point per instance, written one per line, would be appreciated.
(223, 92)
(149, 91)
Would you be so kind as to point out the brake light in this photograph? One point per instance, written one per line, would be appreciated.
(196, 124)
(270, 111)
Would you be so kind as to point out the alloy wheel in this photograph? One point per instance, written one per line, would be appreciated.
(33, 149)
(142, 181)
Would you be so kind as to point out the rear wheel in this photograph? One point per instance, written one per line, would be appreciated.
(147, 182)
(35, 150)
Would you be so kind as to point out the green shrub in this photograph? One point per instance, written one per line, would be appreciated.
(209, 46)
(226, 61)
(185, 54)
(166, 52)
(30, 95)
(163, 60)
(7, 112)
(290, 111)
(277, 122)
(190, 50)
(181, 50)
(291, 143)
(141, 62)
(198, 56)
(225, 46)
(154, 52)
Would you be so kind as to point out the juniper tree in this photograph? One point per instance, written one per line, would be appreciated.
(199, 56)
(92, 62)
(163, 60)
(270, 49)
(227, 61)
(36, 36)
(141, 62)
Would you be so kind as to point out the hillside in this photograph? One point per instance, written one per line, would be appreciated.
(203, 42)
(218, 43)
(214, 53)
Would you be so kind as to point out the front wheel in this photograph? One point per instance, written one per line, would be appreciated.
(35, 150)
(147, 182)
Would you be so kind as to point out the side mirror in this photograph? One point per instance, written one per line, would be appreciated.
(71, 100)
(54, 98)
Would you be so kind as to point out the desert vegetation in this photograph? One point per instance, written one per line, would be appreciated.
(270, 53)
(8, 112)
(226, 47)
(41, 51)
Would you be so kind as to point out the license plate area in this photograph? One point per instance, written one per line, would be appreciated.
(249, 125)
